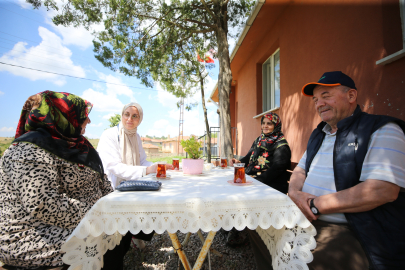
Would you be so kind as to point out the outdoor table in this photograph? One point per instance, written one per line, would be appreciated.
(188, 203)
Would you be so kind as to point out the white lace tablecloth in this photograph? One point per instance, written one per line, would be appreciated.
(187, 204)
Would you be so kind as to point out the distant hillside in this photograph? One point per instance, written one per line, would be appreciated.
(6, 141)
(94, 142)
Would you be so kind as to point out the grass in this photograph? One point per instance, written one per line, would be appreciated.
(168, 160)
(5, 143)
(94, 142)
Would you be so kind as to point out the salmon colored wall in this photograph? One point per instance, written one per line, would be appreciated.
(313, 39)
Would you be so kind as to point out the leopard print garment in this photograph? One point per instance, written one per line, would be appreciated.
(42, 200)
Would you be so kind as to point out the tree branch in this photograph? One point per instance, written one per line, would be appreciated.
(201, 23)
(208, 9)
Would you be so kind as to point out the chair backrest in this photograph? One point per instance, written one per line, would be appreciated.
(292, 167)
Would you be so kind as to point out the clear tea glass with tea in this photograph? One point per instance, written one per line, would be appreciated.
(176, 164)
(239, 173)
(161, 170)
(224, 162)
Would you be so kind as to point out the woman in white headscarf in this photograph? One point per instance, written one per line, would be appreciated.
(120, 148)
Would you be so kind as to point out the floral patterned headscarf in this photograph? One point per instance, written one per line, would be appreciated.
(264, 144)
(52, 121)
(61, 114)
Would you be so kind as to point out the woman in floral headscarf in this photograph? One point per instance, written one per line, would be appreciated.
(270, 156)
(267, 161)
(50, 177)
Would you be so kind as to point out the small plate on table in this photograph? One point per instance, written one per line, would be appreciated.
(168, 177)
(201, 174)
(248, 183)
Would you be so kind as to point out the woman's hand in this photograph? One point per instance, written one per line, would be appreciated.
(151, 169)
(234, 160)
(169, 167)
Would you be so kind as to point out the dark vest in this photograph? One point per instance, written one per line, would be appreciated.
(381, 231)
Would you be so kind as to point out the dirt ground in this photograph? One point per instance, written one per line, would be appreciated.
(156, 254)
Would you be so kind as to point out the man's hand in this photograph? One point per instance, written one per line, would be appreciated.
(301, 199)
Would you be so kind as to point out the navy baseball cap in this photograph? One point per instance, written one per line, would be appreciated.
(333, 78)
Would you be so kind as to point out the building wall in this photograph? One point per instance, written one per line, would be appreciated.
(315, 38)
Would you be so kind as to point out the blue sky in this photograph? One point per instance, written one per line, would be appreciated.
(29, 39)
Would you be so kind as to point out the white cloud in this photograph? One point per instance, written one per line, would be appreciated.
(163, 128)
(108, 116)
(50, 54)
(105, 99)
(194, 122)
(6, 129)
(165, 98)
(115, 86)
(24, 4)
(96, 125)
(1, 93)
(103, 102)
(77, 36)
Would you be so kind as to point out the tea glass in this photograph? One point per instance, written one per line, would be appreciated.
(176, 164)
(239, 173)
(224, 162)
(161, 170)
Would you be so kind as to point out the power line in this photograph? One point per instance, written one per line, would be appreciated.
(79, 77)
(19, 57)
(20, 14)
(36, 42)
(12, 42)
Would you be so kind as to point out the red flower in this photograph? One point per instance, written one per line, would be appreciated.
(265, 154)
(257, 167)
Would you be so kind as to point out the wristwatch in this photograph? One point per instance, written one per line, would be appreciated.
(313, 208)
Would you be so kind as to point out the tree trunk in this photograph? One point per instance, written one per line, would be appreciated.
(207, 127)
(224, 81)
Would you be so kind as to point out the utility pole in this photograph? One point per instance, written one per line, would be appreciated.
(181, 120)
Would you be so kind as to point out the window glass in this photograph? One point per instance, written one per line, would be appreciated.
(277, 79)
(271, 82)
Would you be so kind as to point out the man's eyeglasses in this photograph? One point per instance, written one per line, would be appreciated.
(133, 117)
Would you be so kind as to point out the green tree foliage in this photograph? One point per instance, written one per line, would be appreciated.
(192, 147)
(114, 120)
(140, 35)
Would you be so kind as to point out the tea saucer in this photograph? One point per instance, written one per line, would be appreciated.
(168, 176)
(201, 174)
(248, 182)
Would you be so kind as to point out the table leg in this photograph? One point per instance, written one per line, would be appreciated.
(177, 247)
(204, 250)
(211, 249)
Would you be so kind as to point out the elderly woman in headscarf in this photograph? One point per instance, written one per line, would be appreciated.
(123, 156)
(50, 177)
(267, 161)
(270, 156)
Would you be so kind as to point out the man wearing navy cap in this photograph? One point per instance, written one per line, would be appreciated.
(349, 182)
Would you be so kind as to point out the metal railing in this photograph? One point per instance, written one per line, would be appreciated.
(215, 147)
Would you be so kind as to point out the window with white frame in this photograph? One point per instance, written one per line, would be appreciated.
(271, 82)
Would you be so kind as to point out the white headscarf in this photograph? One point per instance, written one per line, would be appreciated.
(128, 138)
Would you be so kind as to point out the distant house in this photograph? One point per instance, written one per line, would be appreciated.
(172, 145)
(286, 44)
(150, 148)
(157, 142)
(146, 140)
